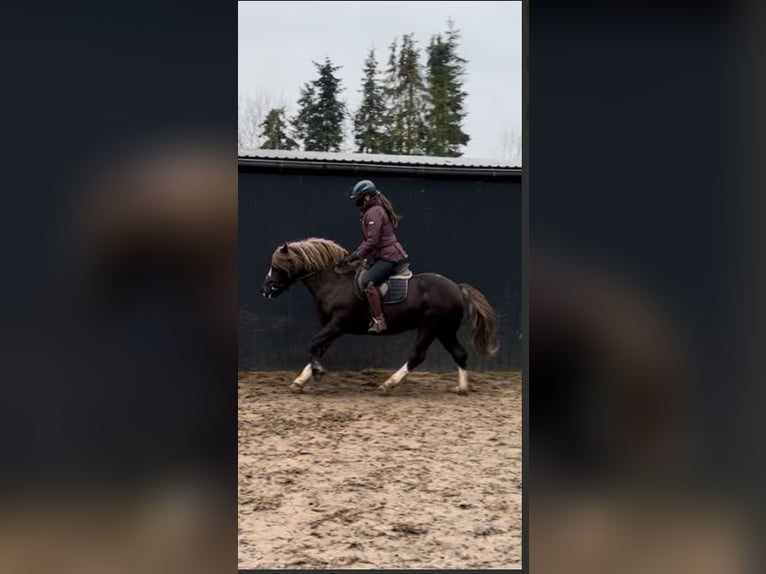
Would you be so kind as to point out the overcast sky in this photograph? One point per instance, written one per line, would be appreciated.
(278, 41)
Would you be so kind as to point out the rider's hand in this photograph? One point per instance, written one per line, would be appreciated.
(353, 257)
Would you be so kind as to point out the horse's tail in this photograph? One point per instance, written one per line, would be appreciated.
(483, 319)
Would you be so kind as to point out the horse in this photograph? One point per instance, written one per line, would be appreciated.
(434, 306)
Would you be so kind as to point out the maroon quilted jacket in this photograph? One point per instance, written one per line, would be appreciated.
(379, 238)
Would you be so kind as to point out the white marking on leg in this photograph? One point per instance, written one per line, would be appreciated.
(397, 377)
(463, 378)
(271, 270)
(305, 375)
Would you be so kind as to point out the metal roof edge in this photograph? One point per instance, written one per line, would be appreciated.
(366, 158)
(301, 166)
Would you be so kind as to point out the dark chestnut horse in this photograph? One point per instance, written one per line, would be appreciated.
(435, 306)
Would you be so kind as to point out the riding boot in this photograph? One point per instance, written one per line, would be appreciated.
(378, 323)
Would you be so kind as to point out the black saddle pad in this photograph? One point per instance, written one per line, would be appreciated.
(397, 290)
(394, 290)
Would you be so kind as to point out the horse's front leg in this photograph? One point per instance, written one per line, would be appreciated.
(319, 345)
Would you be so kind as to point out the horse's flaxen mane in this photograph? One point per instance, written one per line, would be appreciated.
(307, 256)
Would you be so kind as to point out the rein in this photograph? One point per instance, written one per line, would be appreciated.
(302, 277)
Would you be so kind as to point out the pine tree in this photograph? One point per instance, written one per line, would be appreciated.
(437, 97)
(409, 121)
(369, 127)
(445, 96)
(330, 111)
(392, 136)
(274, 131)
(321, 115)
(304, 122)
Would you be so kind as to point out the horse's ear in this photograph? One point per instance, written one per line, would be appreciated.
(285, 248)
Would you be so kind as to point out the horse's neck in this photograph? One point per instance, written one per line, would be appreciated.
(320, 284)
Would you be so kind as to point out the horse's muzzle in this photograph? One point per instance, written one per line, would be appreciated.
(271, 291)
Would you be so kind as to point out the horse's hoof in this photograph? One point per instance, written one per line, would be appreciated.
(460, 391)
(296, 388)
(384, 390)
(318, 372)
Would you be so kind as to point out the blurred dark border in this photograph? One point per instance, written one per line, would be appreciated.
(525, 288)
(635, 194)
(105, 107)
(118, 293)
(645, 253)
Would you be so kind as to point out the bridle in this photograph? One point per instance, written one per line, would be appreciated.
(292, 281)
(302, 277)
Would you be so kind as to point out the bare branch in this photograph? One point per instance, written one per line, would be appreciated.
(251, 111)
(509, 147)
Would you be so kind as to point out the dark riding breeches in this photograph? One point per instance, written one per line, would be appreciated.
(378, 273)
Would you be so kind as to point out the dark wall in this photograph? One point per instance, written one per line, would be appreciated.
(466, 229)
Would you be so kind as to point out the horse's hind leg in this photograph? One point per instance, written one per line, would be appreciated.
(460, 355)
(424, 339)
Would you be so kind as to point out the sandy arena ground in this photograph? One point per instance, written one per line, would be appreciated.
(341, 477)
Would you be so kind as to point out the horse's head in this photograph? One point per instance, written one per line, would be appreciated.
(298, 260)
(276, 281)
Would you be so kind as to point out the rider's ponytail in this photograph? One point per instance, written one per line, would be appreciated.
(394, 217)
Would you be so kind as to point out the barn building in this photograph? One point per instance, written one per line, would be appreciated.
(462, 219)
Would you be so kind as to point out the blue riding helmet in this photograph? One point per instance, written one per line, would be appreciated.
(362, 188)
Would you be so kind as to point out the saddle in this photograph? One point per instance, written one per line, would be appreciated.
(394, 290)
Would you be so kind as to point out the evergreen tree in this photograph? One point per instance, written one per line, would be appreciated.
(410, 104)
(392, 136)
(274, 131)
(404, 91)
(445, 96)
(304, 122)
(320, 118)
(319, 121)
(369, 126)
(330, 111)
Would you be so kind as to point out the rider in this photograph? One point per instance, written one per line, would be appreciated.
(380, 246)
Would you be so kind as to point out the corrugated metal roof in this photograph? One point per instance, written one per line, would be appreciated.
(370, 158)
